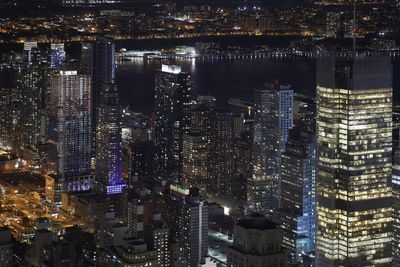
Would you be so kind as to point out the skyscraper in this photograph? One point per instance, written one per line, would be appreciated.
(354, 138)
(172, 118)
(30, 49)
(104, 63)
(100, 62)
(32, 86)
(298, 212)
(145, 223)
(242, 130)
(57, 55)
(87, 58)
(194, 232)
(272, 121)
(396, 209)
(332, 24)
(108, 115)
(157, 236)
(142, 163)
(70, 108)
(258, 194)
(201, 119)
(10, 101)
(108, 141)
(200, 115)
(221, 156)
(242, 156)
(187, 219)
(195, 160)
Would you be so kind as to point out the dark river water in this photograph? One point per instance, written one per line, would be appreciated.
(221, 78)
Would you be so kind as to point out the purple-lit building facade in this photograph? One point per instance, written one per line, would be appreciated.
(108, 142)
(107, 119)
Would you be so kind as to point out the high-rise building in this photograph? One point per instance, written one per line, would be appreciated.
(142, 163)
(298, 205)
(272, 121)
(242, 152)
(396, 209)
(199, 140)
(32, 86)
(157, 238)
(200, 114)
(135, 216)
(145, 223)
(136, 211)
(221, 156)
(9, 117)
(258, 194)
(30, 49)
(99, 60)
(57, 55)
(84, 244)
(194, 242)
(104, 64)
(109, 230)
(257, 242)
(108, 115)
(108, 141)
(172, 118)
(70, 106)
(242, 149)
(354, 151)
(332, 24)
(195, 160)
(187, 218)
(87, 58)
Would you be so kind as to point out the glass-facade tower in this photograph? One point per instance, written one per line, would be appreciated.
(298, 213)
(396, 208)
(32, 88)
(70, 108)
(108, 141)
(57, 55)
(354, 144)
(272, 121)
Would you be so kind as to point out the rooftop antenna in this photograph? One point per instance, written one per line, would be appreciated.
(354, 29)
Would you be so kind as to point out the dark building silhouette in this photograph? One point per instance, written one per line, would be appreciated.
(172, 119)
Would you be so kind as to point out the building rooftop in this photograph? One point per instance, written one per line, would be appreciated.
(258, 222)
